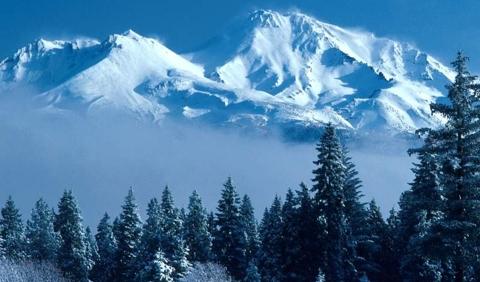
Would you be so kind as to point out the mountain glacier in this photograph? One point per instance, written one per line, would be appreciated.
(269, 71)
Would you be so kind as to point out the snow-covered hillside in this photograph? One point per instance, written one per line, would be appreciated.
(270, 70)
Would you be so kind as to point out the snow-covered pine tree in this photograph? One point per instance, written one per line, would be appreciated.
(2, 251)
(104, 267)
(172, 243)
(156, 269)
(308, 256)
(249, 223)
(91, 248)
(381, 260)
(72, 258)
(42, 240)
(270, 254)
(150, 249)
(116, 228)
(12, 232)
(197, 235)
(128, 236)
(355, 212)
(212, 229)
(229, 242)
(329, 198)
(420, 207)
(252, 273)
(391, 264)
(290, 247)
(372, 251)
(416, 262)
(458, 147)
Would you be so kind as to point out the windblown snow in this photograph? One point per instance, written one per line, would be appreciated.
(271, 69)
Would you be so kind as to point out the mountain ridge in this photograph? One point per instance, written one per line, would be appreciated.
(274, 70)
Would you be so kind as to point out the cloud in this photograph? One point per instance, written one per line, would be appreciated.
(99, 158)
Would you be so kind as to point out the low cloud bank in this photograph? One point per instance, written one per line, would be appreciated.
(99, 158)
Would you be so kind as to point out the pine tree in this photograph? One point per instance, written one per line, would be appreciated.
(152, 230)
(116, 228)
(172, 243)
(212, 227)
(229, 242)
(458, 147)
(197, 235)
(307, 259)
(291, 249)
(420, 208)
(249, 223)
(104, 267)
(416, 262)
(91, 249)
(381, 252)
(157, 270)
(150, 243)
(355, 212)
(391, 265)
(329, 178)
(252, 273)
(72, 257)
(372, 251)
(42, 240)
(270, 258)
(128, 239)
(11, 231)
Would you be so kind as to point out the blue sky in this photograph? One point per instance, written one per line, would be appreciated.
(438, 27)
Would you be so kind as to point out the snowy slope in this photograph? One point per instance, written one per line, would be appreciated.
(321, 68)
(267, 71)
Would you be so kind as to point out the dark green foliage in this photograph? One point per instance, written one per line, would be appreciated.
(11, 232)
(249, 223)
(270, 258)
(306, 231)
(91, 249)
(300, 257)
(104, 267)
(212, 227)
(197, 233)
(127, 235)
(457, 152)
(252, 273)
(290, 249)
(156, 270)
(229, 239)
(151, 237)
(380, 252)
(172, 243)
(42, 240)
(390, 262)
(355, 212)
(420, 208)
(72, 257)
(329, 198)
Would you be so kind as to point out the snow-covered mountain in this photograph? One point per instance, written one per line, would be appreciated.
(270, 70)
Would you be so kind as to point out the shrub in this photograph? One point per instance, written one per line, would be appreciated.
(207, 272)
(29, 271)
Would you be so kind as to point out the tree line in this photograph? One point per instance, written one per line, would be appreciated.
(320, 233)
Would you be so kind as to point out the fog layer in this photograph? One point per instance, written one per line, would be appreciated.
(99, 158)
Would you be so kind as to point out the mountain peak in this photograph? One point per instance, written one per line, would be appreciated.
(131, 33)
(273, 69)
(265, 18)
(127, 36)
